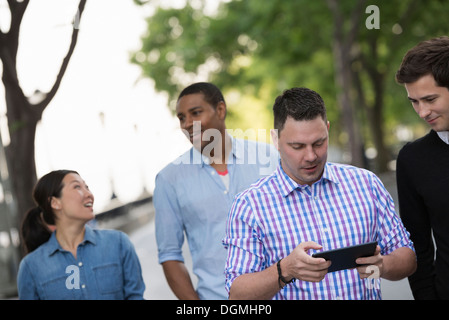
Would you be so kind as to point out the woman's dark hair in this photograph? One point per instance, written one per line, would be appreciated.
(211, 93)
(34, 225)
(298, 103)
(428, 57)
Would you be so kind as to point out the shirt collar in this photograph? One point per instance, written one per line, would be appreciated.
(288, 185)
(444, 135)
(237, 152)
(53, 244)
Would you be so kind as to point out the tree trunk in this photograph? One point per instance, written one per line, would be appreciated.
(342, 46)
(22, 115)
(20, 152)
(20, 156)
(377, 125)
(343, 83)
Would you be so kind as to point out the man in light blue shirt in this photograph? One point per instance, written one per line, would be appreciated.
(194, 193)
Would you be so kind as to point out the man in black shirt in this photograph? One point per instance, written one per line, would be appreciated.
(423, 167)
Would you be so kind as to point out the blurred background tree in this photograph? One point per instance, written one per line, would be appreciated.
(255, 49)
(24, 112)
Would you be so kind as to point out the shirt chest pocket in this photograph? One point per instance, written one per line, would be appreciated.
(203, 204)
(109, 278)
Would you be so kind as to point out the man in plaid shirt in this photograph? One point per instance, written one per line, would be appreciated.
(309, 205)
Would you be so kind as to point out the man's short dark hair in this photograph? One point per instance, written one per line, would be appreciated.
(428, 57)
(298, 103)
(211, 92)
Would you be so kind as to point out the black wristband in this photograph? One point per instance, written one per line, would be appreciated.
(281, 278)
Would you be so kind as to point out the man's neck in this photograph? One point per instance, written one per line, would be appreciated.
(219, 161)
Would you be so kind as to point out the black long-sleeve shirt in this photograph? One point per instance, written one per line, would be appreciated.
(423, 191)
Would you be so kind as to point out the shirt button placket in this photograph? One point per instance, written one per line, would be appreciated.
(80, 264)
(322, 227)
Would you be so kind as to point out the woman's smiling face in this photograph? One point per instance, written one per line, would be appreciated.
(76, 200)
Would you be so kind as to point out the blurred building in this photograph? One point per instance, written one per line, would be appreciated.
(9, 234)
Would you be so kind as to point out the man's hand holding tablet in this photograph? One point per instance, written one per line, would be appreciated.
(351, 257)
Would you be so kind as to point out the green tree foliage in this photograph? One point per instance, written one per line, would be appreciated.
(255, 49)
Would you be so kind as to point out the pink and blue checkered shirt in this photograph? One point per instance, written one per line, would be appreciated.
(347, 206)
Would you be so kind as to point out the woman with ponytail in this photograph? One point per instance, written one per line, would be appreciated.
(66, 258)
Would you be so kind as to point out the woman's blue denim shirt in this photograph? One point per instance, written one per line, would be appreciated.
(106, 268)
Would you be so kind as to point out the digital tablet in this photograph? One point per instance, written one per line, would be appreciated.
(344, 258)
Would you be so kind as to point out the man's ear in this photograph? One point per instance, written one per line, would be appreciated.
(221, 110)
(275, 137)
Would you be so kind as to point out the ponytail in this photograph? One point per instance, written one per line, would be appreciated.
(34, 230)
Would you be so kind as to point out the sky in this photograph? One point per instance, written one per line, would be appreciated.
(136, 137)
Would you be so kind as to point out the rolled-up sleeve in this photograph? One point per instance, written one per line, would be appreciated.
(245, 250)
(169, 227)
(392, 233)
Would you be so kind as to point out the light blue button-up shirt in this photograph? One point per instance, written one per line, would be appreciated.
(191, 199)
(106, 268)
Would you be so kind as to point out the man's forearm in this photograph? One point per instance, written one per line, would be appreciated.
(261, 285)
(178, 279)
(399, 264)
(265, 284)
